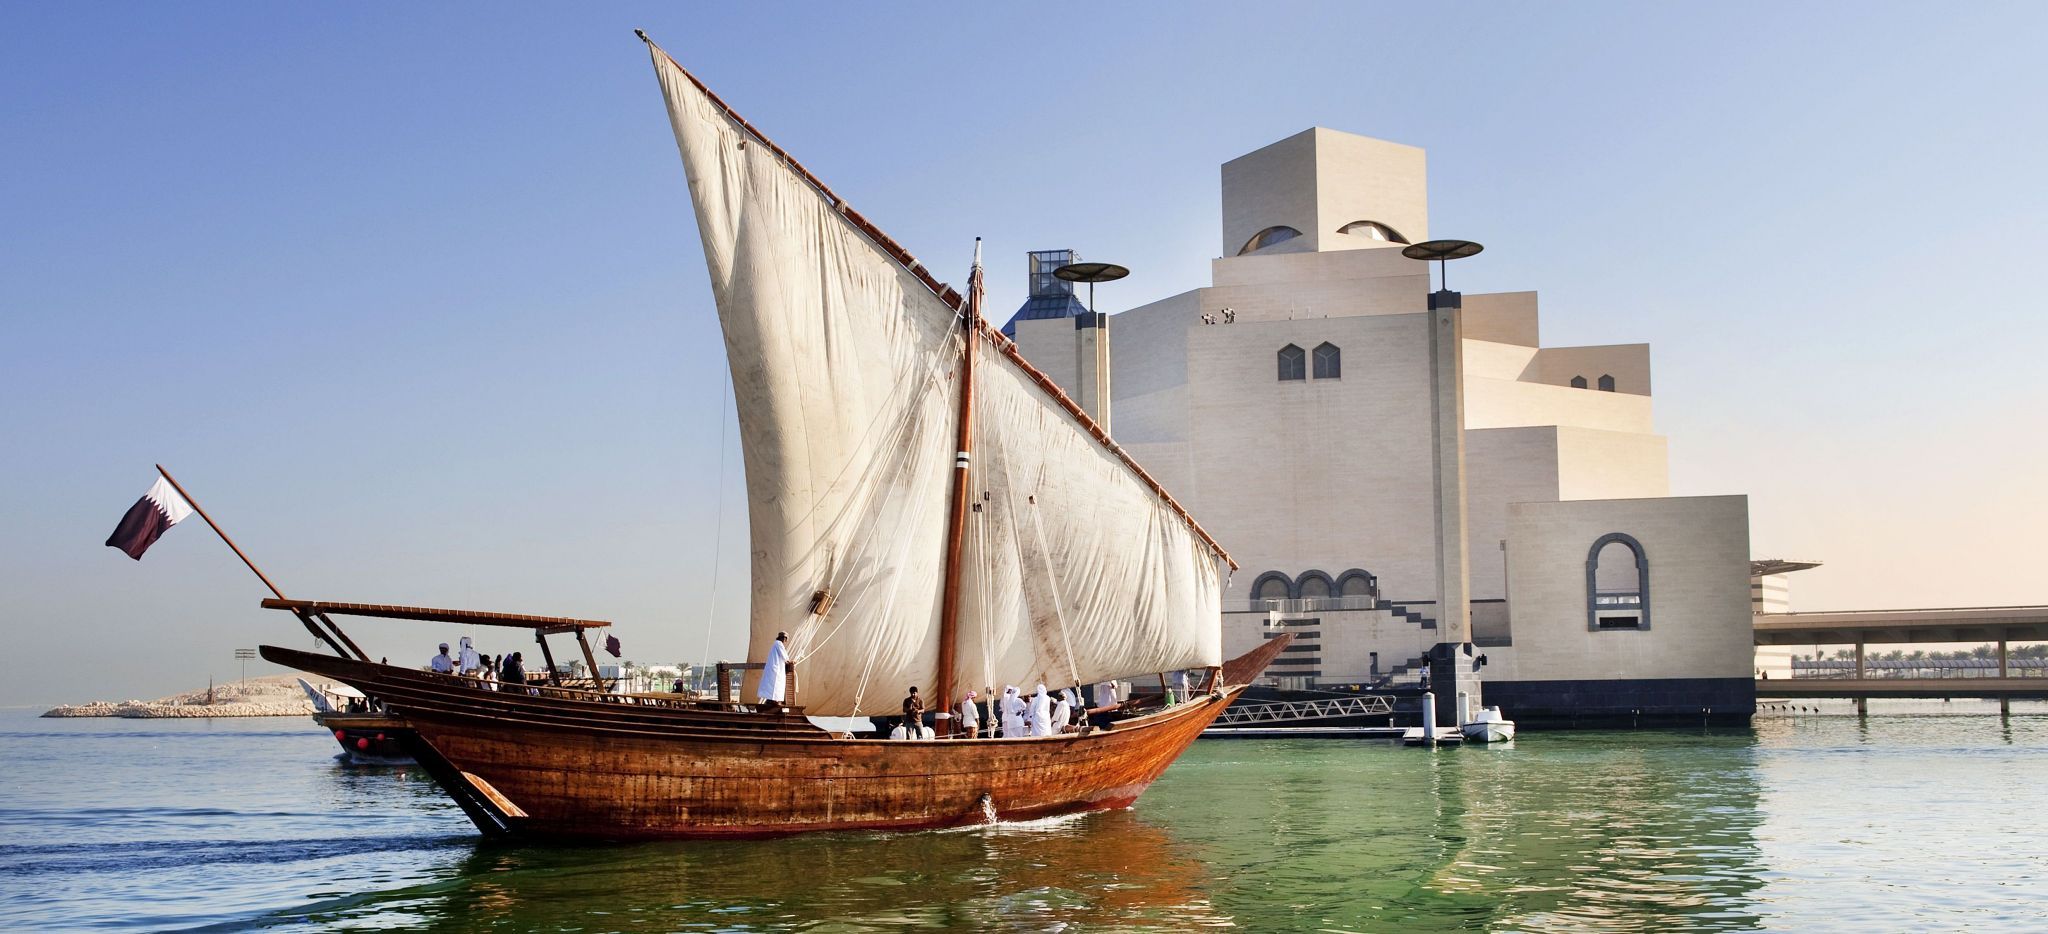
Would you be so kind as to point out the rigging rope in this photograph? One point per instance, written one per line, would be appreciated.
(718, 533)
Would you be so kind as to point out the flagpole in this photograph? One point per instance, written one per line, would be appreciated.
(201, 510)
(334, 641)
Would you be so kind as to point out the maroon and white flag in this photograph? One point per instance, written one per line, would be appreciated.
(147, 520)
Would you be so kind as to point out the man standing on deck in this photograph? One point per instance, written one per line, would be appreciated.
(442, 663)
(970, 716)
(1041, 713)
(770, 693)
(512, 671)
(1105, 698)
(1012, 711)
(913, 715)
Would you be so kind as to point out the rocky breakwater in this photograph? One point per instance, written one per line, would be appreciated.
(274, 696)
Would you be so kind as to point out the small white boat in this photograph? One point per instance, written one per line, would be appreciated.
(1488, 726)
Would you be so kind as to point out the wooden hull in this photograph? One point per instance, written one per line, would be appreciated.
(564, 764)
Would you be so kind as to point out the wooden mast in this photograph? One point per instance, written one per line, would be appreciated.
(956, 532)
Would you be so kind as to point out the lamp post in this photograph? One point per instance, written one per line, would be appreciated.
(1451, 669)
(1091, 273)
(1092, 374)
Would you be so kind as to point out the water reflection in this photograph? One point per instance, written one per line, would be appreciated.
(1919, 818)
(1112, 870)
(1611, 832)
(1586, 831)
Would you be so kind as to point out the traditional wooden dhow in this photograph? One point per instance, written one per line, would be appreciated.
(925, 509)
(569, 763)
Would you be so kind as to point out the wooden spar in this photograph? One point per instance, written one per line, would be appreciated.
(956, 531)
(945, 294)
(334, 641)
(547, 655)
(590, 658)
(552, 624)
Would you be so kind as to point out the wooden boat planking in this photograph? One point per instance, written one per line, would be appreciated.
(558, 765)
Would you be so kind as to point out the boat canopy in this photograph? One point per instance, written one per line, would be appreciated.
(547, 624)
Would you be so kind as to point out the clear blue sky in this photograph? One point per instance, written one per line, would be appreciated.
(411, 298)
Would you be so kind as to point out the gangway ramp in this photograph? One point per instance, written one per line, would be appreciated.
(1331, 716)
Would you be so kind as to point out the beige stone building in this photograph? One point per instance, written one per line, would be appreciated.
(1412, 480)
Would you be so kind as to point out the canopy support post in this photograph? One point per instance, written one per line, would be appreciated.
(956, 534)
(590, 658)
(320, 635)
(548, 655)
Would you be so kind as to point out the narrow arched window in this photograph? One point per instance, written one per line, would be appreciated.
(1617, 584)
(1578, 382)
(1293, 363)
(1355, 583)
(1372, 230)
(1271, 585)
(1268, 237)
(1329, 361)
(1606, 384)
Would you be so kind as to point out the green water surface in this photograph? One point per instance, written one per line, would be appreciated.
(1917, 818)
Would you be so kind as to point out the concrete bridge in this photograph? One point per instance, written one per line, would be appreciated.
(1998, 625)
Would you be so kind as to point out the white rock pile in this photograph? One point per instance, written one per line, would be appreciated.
(273, 696)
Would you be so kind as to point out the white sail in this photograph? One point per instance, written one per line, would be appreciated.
(845, 370)
(844, 367)
(1077, 570)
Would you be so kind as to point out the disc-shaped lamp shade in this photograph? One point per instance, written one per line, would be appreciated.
(1437, 250)
(1091, 272)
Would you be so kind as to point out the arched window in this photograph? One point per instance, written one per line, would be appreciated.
(1357, 583)
(1293, 363)
(1372, 230)
(1617, 584)
(1268, 237)
(1329, 361)
(1314, 585)
(1606, 384)
(1578, 382)
(1271, 585)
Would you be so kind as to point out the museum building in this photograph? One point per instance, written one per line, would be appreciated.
(1412, 484)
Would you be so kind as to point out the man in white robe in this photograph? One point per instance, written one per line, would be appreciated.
(772, 671)
(1105, 694)
(970, 716)
(1063, 711)
(1040, 718)
(1012, 709)
(470, 661)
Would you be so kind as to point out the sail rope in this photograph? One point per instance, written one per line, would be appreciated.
(718, 531)
(984, 566)
(1059, 617)
(854, 605)
(1058, 598)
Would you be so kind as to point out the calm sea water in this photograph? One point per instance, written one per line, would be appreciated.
(1922, 817)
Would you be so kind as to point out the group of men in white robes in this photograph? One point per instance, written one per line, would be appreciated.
(1042, 714)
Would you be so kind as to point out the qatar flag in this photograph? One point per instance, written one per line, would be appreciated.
(146, 521)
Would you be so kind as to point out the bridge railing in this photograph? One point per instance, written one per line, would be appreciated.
(1925, 668)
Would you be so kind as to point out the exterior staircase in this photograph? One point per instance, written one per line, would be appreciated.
(1409, 610)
